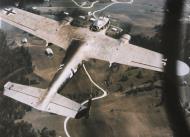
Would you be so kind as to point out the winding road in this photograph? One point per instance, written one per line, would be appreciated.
(93, 3)
(85, 7)
(111, 4)
(95, 98)
(90, 78)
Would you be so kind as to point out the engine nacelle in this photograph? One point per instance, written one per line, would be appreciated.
(125, 39)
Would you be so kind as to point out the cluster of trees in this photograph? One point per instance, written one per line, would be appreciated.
(78, 22)
(152, 43)
(59, 16)
(21, 2)
(186, 51)
(80, 97)
(24, 129)
(77, 12)
(144, 89)
(139, 75)
(10, 60)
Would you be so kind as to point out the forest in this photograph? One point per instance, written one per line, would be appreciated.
(11, 110)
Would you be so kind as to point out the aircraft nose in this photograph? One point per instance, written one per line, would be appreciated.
(182, 68)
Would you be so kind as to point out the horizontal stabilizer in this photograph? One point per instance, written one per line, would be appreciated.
(25, 94)
(34, 96)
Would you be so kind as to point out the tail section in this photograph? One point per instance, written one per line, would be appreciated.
(34, 97)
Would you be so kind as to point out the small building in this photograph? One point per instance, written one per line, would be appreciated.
(66, 13)
(114, 29)
(89, 13)
(82, 17)
(100, 23)
(49, 52)
(34, 8)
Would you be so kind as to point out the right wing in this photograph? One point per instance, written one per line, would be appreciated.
(32, 96)
(113, 51)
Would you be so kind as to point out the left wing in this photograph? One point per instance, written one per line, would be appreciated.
(39, 26)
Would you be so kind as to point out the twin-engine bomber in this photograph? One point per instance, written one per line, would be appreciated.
(80, 44)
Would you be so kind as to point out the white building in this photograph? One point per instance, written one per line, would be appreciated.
(100, 23)
(49, 52)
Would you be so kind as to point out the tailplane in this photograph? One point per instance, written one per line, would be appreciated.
(34, 96)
